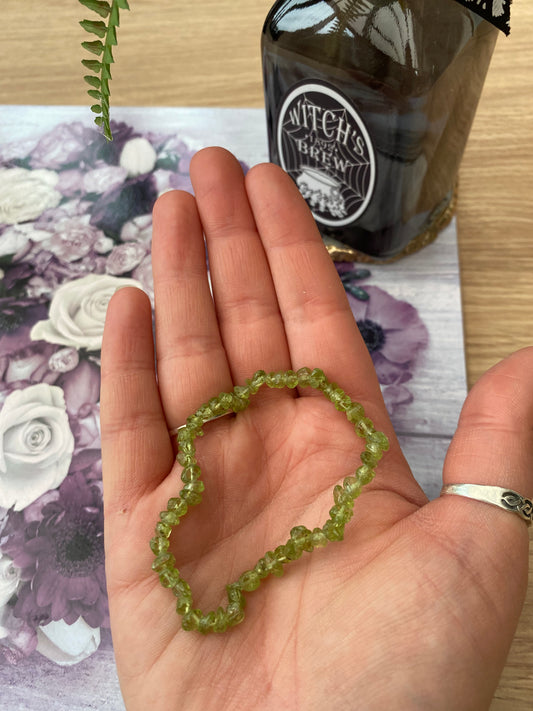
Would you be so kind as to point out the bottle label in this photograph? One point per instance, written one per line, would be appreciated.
(323, 144)
(498, 12)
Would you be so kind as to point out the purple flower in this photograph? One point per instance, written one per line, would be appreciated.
(394, 334)
(70, 183)
(61, 146)
(76, 207)
(64, 360)
(29, 365)
(125, 257)
(81, 386)
(103, 178)
(72, 238)
(393, 331)
(138, 230)
(61, 557)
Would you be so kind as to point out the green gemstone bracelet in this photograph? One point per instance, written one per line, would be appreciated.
(301, 538)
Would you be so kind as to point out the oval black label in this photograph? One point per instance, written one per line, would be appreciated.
(324, 146)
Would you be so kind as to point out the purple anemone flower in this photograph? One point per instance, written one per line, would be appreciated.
(395, 335)
(62, 557)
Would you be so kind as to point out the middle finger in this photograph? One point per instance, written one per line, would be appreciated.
(247, 309)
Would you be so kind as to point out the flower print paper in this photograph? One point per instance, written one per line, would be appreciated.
(77, 312)
(36, 444)
(75, 226)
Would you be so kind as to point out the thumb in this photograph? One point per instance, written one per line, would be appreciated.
(493, 445)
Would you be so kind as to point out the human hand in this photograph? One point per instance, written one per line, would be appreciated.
(417, 607)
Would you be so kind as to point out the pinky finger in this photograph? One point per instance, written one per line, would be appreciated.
(136, 449)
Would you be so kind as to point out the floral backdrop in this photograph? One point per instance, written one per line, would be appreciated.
(75, 225)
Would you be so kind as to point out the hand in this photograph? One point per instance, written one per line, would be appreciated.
(417, 607)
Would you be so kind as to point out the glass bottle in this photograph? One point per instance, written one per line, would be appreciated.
(369, 105)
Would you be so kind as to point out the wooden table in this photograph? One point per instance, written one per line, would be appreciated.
(180, 53)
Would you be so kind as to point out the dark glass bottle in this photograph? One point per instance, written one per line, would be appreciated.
(369, 104)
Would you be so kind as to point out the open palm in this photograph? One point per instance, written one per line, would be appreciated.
(417, 606)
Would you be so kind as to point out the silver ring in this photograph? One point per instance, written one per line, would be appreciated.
(506, 499)
(175, 431)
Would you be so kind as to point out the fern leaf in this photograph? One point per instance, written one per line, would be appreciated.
(108, 55)
(108, 33)
(93, 65)
(96, 47)
(94, 27)
(114, 18)
(112, 35)
(93, 81)
(101, 7)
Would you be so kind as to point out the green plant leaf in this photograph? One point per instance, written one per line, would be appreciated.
(108, 55)
(108, 34)
(112, 35)
(93, 81)
(101, 7)
(95, 47)
(114, 19)
(92, 65)
(95, 27)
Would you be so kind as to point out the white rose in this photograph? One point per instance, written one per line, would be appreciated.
(67, 644)
(9, 579)
(138, 156)
(26, 194)
(77, 312)
(36, 444)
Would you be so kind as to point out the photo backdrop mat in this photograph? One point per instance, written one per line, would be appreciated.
(75, 222)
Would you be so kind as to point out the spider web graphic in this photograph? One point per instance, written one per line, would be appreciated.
(328, 145)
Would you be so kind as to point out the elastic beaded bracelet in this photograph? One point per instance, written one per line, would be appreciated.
(301, 538)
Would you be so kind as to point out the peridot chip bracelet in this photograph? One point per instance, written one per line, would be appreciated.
(301, 538)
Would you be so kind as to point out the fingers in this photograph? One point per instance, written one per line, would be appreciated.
(191, 361)
(494, 444)
(320, 327)
(247, 309)
(136, 450)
